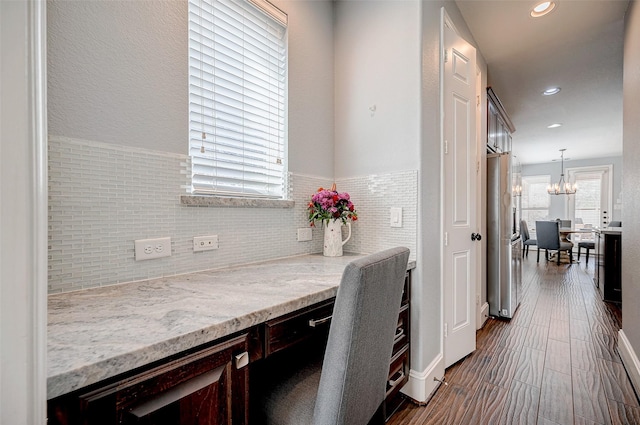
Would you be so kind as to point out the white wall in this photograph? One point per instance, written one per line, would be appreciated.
(22, 214)
(388, 55)
(118, 72)
(118, 116)
(558, 205)
(631, 212)
(377, 64)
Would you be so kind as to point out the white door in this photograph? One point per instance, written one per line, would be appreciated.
(593, 201)
(459, 195)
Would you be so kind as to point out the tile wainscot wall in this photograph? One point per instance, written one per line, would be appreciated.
(103, 196)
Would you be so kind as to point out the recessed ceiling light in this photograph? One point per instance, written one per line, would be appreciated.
(551, 91)
(556, 125)
(542, 9)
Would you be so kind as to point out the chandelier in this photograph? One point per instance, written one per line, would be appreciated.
(562, 187)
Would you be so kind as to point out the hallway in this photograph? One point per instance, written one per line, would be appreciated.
(555, 362)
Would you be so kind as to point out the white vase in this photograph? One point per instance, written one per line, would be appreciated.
(333, 238)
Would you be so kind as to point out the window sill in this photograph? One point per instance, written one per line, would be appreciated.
(227, 202)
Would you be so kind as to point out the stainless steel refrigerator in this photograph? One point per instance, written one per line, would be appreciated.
(504, 248)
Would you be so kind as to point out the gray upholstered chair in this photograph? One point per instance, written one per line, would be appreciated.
(548, 234)
(615, 224)
(349, 385)
(564, 223)
(526, 238)
(587, 245)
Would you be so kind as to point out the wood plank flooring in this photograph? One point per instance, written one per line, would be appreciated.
(555, 363)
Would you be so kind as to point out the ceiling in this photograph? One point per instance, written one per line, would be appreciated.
(578, 47)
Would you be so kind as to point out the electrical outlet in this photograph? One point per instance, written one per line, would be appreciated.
(205, 243)
(148, 249)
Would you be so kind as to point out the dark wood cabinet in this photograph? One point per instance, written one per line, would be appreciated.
(209, 386)
(608, 272)
(399, 368)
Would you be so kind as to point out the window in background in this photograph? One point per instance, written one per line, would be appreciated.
(534, 200)
(237, 104)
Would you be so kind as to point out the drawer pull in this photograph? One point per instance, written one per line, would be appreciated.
(398, 336)
(316, 322)
(242, 360)
(393, 382)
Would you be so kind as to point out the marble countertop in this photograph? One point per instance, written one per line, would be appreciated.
(610, 230)
(99, 333)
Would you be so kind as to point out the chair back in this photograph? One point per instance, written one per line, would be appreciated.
(356, 362)
(548, 234)
(564, 223)
(524, 231)
(615, 224)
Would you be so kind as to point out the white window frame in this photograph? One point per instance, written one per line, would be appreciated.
(237, 98)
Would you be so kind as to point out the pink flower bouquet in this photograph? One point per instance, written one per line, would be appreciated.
(327, 204)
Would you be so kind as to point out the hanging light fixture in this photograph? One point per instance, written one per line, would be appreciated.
(562, 187)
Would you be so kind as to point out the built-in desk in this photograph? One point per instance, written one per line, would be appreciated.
(608, 271)
(111, 347)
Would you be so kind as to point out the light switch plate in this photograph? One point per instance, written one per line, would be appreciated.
(305, 234)
(396, 217)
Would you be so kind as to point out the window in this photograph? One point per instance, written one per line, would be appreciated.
(535, 200)
(237, 85)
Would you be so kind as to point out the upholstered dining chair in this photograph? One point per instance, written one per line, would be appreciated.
(548, 234)
(587, 245)
(526, 238)
(349, 385)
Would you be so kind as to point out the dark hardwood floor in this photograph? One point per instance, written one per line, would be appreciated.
(555, 362)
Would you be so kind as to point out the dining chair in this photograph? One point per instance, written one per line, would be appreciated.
(526, 238)
(349, 385)
(548, 234)
(587, 245)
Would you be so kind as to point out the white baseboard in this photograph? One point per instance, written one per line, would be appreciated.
(629, 359)
(421, 385)
(484, 315)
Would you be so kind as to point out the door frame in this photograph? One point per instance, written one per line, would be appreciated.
(23, 247)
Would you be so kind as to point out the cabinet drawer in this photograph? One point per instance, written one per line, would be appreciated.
(208, 386)
(402, 331)
(398, 371)
(398, 376)
(296, 327)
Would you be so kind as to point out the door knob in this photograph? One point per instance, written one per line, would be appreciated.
(476, 236)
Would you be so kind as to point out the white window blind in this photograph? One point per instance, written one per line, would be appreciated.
(535, 200)
(237, 84)
(587, 200)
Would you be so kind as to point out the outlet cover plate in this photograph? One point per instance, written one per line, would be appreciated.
(148, 249)
(205, 243)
